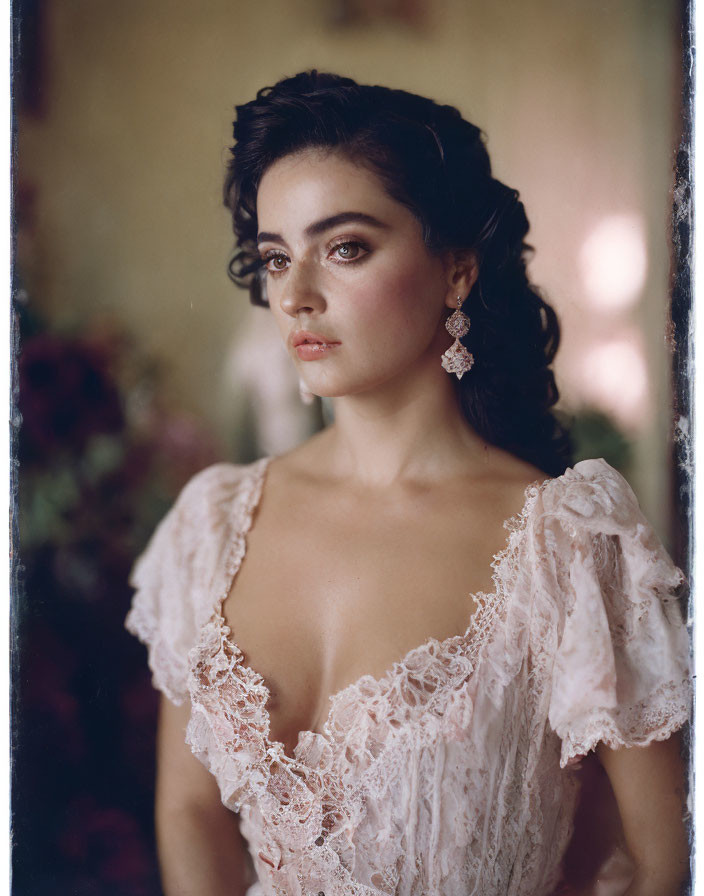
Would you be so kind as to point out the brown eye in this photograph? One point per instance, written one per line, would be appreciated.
(275, 263)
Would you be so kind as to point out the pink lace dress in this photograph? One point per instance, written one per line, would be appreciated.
(455, 772)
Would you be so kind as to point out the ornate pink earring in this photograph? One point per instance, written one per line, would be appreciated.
(457, 359)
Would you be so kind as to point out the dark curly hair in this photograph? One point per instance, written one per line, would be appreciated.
(435, 163)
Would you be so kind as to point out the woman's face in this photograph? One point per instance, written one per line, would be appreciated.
(348, 275)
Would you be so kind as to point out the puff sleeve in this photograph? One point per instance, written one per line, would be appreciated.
(171, 578)
(621, 671)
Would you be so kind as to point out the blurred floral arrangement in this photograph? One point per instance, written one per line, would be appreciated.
(101, 457)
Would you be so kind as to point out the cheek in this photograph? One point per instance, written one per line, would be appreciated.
(283, 322)
(405, 301)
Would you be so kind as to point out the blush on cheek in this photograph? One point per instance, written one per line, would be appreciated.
(405, 296)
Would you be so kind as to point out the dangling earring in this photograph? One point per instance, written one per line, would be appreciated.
(457, 359)
(306, 396)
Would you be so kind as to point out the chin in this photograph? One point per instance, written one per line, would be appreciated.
(346, 389)
(325, 392)
(339, 386)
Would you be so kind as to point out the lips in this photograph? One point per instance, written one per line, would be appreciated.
(305, 337)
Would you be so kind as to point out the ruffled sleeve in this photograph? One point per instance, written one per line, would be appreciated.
(621, 671)
(173, 577)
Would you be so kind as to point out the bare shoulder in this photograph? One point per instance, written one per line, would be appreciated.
(503, 477)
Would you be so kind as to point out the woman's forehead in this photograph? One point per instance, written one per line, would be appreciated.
(317, 164)
(320, 182)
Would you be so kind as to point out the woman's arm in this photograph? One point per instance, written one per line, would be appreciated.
(648, 783)
(201, 850)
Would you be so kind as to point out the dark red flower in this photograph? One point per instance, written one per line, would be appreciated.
(66, 396)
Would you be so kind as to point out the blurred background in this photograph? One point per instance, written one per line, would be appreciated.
(139, 363)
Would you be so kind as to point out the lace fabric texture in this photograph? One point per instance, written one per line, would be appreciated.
(452, 773)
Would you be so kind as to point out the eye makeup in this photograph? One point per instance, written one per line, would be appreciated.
(359, 249)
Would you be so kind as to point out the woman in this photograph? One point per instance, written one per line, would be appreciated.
(305, 735)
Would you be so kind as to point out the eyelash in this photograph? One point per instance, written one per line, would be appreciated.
(275, 253)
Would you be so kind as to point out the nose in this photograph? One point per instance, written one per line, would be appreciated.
(300, 291)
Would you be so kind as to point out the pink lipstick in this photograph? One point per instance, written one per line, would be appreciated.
(311, 346)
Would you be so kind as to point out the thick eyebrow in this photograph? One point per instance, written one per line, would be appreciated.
(319, 227)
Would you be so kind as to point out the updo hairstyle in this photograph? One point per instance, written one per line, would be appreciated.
(435, 163)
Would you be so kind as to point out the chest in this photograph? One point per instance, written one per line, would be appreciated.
(333, 587)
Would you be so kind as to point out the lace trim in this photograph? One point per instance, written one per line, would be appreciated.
(166, 666)
(616, 499)
(418, 680)
(244, 509)
(656, 718)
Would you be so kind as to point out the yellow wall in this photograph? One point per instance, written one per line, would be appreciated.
(578, 99)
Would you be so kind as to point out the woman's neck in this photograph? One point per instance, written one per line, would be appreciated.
(403, 432)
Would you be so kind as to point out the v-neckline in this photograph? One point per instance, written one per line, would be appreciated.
(478, 631)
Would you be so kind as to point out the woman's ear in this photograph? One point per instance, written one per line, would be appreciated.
(463, 270)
